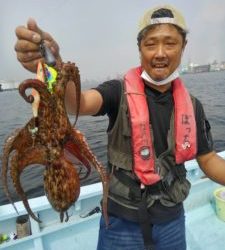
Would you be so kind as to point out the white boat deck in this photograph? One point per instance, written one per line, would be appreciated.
(205, 231)
(51, 233)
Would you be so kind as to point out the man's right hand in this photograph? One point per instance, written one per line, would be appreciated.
(27, 46)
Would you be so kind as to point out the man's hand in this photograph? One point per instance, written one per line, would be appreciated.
(27, 46)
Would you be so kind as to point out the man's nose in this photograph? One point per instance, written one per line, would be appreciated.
(160, 51)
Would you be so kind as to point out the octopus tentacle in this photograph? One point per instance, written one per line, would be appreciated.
(8, 148)
(71, 73)
(74, 150)
(76, 80)
(15, 176)
(6, 187)
(83, 152)
(32, 83)
(18, 164)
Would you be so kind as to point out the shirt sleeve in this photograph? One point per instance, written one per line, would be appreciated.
(204, 136)
(111, 94)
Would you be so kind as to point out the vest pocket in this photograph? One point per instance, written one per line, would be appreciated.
(176, 187)
(117, 189)
(178, 191)
(125, 189)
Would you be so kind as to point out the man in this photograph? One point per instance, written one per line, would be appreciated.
(154, 127)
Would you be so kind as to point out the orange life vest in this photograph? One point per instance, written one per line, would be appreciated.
(142, 146)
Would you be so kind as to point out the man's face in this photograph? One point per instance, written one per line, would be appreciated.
(161, 51)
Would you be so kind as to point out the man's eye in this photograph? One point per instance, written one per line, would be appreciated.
(150, 44)
(171, 43)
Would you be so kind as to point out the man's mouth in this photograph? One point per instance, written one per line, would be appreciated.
(160, 65)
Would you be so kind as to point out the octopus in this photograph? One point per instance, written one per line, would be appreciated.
(47, 139)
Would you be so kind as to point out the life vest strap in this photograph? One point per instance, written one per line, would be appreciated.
(164, 184)
(145, 222)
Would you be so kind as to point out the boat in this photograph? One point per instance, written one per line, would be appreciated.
(205, 230)
(194, 69)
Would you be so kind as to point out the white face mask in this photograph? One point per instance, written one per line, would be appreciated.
(169, 79)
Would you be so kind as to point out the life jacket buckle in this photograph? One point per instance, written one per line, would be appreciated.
(145, 152)
(186, 145)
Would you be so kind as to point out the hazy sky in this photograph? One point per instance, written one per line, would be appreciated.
(100, 35)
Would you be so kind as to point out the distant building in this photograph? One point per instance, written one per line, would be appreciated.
(8, 85)
(215, 66)
(195, 68)
(201, 68)
(222, 66)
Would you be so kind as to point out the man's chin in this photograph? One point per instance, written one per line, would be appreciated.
(158, 78)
